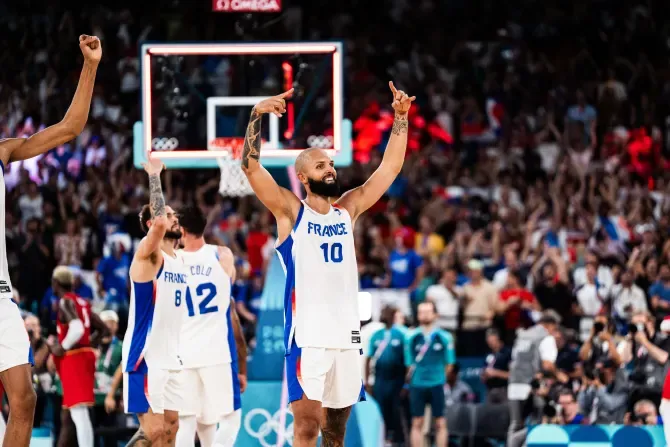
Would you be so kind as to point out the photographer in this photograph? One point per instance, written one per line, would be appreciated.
(644, 413)
(600, 345)
(604, 393)
(648, 350)
(566, 411)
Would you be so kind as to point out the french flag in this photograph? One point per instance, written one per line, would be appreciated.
(495, 113)
(616, 227)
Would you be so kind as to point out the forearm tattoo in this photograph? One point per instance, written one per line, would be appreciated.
(140, 439)
(156, 199)
(252, 140)
(400, 124)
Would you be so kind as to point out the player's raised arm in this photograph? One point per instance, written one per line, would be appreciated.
(358, 200)
(159, 222)
(75, 118)
(280, 201)
(227, 261)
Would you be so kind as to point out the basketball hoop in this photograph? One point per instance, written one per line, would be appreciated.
(233, 181)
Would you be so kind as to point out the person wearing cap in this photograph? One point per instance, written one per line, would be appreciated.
(480, 300)
(534, 351)
(74, 357)
(108, 362)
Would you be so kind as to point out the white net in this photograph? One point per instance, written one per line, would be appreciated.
(233, 181)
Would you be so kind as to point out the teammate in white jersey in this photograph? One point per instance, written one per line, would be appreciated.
(316, 245)
(15, 355)
(150, 358)
(215, 370)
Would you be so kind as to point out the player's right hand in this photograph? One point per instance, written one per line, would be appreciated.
(275, 104)
(90, 48)
(153, 166)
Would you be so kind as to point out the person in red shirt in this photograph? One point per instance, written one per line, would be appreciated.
(74, 357)
(515, 299)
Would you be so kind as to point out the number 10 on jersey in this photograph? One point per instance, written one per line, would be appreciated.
(332, 252)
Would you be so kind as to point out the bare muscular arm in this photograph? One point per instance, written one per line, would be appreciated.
(358, 200)
(282, 203)
(149, 248)
(73, 122)
(227, 261)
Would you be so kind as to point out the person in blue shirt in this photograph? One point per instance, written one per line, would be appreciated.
(660, 291)
(386, 358)
(429, 354)
(81, 289)
(113, 278)
(406, 266)
(570, 412)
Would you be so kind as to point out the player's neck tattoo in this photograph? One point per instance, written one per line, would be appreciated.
(400, 124)
(156, 199)
(252, 140)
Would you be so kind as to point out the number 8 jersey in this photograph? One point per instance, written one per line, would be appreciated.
(321, 292)
(206, 334)
(155, 317)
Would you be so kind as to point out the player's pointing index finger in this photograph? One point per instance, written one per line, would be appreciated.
(393, 89)
(286, 94)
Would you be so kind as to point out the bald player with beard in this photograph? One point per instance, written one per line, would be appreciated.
(316, 247)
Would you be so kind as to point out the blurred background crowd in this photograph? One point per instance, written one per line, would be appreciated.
(535, 179)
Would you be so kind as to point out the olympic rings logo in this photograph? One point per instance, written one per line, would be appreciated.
(268, 424)
(320, 141)
(164, 144)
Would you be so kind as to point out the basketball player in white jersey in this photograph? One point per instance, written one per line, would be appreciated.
(316, 246)
(212, 348)
(151, 346)
(15, 354)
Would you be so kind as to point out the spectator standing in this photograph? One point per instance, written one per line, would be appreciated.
(496, 371)
(429, 354)
(112, 277)
(108, 361)
(515, 299)
(446, 295)
(660, 292)
(627, 299)
(479, 303)
(70, 246)
(405, 266)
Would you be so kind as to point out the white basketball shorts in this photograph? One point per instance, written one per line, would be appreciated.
(330, 376)
(158, 389)
(210, 392)
(14, 342)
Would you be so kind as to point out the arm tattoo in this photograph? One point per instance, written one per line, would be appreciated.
(399, 124)
(139, 440)
(156, 199)
(332, 434)
(252, 140)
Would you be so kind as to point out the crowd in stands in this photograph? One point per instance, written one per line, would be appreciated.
(535, 177)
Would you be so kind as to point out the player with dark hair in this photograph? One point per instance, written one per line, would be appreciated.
(316, 246)
(151, 346)
(214, 374)
(74, 357)
(15, 355)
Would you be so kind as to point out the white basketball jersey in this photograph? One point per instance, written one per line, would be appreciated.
(206, 331)
(155, 318)
(321, 293)
(5, 282)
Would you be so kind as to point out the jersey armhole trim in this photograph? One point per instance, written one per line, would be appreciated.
(160, 270)
(2, 165)
(299, 218)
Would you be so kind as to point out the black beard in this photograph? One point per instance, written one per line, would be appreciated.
(172, 235)
(321, 188)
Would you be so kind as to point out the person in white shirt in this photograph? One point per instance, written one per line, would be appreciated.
(627, 297)
(445, 295)
(604, 273)
(591, 297)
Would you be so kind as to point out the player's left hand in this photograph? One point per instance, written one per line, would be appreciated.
(401, 101)
(243, 382)
(91, 48)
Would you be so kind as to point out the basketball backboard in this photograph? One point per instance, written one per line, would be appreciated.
(197, 97)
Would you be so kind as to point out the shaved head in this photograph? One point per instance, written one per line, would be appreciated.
(303, 160)
(316, 172)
